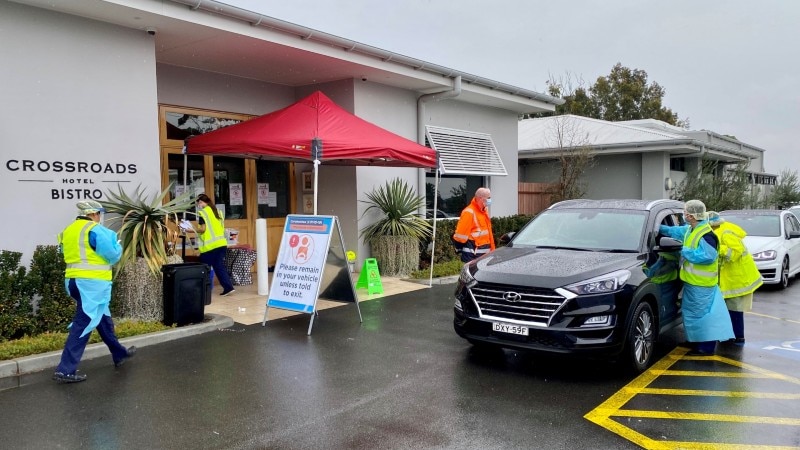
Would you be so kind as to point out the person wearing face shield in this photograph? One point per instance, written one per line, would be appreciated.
(473, 236)
(89, 250)
(738, 275)
(705, 316)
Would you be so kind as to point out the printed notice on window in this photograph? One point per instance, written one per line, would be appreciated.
(236, 194)
(301, 259)
(263, 193)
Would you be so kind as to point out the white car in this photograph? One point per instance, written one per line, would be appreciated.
(773, 238)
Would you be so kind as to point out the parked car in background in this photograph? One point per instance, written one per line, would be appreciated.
(571, 281)
(795, 210)
(773, 238)
(439, 214)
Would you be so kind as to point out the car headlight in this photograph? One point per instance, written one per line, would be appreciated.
(766, 255)
(466, 277)
(598, 285)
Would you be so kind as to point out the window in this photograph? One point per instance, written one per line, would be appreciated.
(229, 186)
(677, 164)
(195, 181)
(180, 125)
(272, 178)
(455, 193)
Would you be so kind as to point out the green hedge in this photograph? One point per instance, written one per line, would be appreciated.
(445, 251)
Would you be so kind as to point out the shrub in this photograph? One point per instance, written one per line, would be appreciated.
(48, 342)
(54, 307)
(443, 269)
(16, 310)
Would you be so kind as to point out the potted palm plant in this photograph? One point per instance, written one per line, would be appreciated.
(394, 238)
(148, 233)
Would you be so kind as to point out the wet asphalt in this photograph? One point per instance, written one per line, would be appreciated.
(401, 379)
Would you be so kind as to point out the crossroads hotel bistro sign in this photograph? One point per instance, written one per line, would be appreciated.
(68, 180)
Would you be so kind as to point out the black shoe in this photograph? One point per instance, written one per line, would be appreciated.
(738, 341)
(131, 354)
(224, 293)
(69, 377)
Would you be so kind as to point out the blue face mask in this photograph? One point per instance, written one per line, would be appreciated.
(488, 201)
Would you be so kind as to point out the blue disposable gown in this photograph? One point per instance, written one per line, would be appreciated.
(705, 316)
(96, 294)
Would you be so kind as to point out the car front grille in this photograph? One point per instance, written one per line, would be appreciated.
(532, 305)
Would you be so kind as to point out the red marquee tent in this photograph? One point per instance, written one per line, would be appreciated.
(287, 135)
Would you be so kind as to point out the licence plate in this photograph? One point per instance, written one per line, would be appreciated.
(509, 328)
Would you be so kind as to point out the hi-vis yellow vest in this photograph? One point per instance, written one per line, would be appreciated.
(737, 275)
(214, 235)
(698, 274)
(82, 261)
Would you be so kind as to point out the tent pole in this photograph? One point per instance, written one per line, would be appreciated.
(185, 169)
(316, 181)
(435, 210)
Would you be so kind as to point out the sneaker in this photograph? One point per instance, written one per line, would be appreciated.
(224, 293)
(61, 377)
(131, 354)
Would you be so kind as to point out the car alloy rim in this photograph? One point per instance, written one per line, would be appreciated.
(643, 344)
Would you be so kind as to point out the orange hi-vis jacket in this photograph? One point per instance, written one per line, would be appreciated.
(474, 230)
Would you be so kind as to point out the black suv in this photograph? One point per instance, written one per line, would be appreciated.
(571, 281)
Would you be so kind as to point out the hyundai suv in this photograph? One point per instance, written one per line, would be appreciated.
(572, 281)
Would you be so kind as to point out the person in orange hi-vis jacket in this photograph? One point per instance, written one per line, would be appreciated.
(473, 236)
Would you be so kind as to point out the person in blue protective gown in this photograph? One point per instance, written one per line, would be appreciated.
(89, 251)
(705, 316)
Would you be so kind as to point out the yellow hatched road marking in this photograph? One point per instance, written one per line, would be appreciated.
(708, 393)
(717, 446)
(703, 373)
(700, 416)
(612, 407)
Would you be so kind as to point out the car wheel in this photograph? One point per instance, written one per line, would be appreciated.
(784, 283)
(640, 339)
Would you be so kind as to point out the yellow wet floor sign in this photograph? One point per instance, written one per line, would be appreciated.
(370, 277)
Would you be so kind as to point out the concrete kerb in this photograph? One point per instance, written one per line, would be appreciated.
(43, 361)
(439, 280)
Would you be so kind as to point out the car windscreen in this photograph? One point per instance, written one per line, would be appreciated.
(756, 225)
(589, 229)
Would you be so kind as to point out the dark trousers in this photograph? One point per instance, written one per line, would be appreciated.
(75, 345)
(706, 347)
(216, 259)
(737, 320)
(467, 257)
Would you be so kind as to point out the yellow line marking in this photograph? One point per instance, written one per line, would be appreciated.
(703, 373)
(772, 317)
(716, 446)
(701, 416)
(602, 414)
(707, 393)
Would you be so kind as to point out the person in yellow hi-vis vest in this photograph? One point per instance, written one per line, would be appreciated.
(705, 320)
(738, 275)
(89, 251)
(213, 244)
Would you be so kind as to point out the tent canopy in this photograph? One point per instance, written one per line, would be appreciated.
(286, 135)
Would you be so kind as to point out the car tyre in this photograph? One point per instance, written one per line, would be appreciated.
(784, 281)
(640, 339)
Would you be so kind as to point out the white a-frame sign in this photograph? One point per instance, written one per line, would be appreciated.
(310, 265)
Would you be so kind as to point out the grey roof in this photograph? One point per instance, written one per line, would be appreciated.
(543, 136)
(619, 204)
(579, 131)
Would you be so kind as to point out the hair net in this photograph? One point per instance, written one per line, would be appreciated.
(714, 219)
(696, 209)
(89, 207)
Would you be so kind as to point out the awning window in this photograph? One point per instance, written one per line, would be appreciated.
(465, 152)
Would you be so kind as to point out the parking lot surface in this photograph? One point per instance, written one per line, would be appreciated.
(403, 379)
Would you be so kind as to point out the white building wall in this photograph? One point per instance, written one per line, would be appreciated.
(502, 126)
(655, 175)
(611, 177)
(73, 91)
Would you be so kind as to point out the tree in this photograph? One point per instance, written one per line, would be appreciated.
(719, 188)
(574, 158)
(624, 94)
(787, 192)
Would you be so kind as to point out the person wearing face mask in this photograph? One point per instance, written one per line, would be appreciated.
(473, 236)
(89, 250)
(213, 244)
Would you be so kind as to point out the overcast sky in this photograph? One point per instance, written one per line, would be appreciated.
(729, 66)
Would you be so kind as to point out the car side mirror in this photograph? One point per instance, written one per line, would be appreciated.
(506, 237)
(668, 244)
(794, 234)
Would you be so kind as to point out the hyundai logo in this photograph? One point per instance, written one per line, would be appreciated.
(511, 296)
